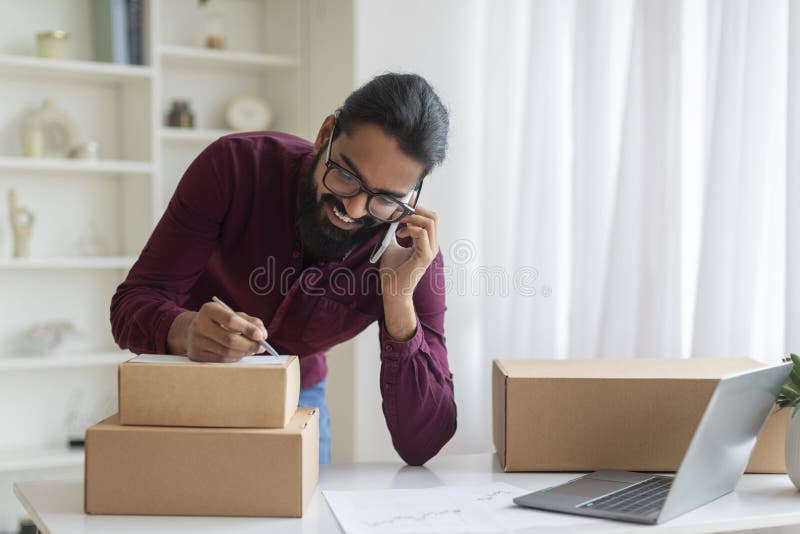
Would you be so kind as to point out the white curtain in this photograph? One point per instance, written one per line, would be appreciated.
(625, 167)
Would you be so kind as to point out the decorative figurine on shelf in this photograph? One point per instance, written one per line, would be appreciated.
(180, 115)
(213, 25)
(248, 113)
(32, 136)
(47, 132)
(21, 224)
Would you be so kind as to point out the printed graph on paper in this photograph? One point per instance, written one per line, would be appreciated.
(481, 508)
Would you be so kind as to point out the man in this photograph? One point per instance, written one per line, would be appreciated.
(284, 230)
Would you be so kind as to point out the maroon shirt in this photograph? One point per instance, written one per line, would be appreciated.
(231, 230)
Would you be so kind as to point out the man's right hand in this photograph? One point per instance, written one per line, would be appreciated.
(215, 334)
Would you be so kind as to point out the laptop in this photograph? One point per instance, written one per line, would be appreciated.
(716, 458)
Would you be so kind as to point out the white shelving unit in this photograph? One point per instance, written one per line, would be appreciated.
(81, 71)
(264, 56)
(121, 196)
(224, 59)
(12, 163)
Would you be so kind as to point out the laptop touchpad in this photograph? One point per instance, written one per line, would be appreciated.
(588, 487)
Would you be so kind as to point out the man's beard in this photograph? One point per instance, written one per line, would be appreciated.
(322, 238)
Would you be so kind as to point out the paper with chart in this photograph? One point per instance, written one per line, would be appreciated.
(483, 508)
(171, 358)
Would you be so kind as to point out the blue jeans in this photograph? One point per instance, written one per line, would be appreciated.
(315, 397)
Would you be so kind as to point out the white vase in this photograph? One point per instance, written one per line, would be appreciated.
(793, 449)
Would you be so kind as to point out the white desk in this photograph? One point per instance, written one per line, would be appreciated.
(759, 501)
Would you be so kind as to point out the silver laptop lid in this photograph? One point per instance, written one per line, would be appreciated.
(724, 439)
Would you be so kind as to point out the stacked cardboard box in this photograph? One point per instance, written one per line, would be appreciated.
(204, 439)
(637, 415)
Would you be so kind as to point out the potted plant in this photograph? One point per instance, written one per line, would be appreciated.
(790, 397)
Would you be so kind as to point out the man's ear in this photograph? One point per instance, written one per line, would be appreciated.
(323, 134)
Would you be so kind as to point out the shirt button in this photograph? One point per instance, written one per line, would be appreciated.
(295, 253)
(389, 348)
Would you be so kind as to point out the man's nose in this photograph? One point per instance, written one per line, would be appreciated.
(356, 206)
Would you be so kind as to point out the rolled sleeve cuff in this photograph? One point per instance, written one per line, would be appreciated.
(393, 349)
(163, 324)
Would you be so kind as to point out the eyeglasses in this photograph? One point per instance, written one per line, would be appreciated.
(345, 184)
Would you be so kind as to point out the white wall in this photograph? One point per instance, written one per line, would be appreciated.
(440, 41)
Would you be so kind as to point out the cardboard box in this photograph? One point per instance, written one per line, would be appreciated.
(152, 470)
(637, 415)
(179, 392)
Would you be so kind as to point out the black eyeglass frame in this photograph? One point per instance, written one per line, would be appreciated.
(330, 165)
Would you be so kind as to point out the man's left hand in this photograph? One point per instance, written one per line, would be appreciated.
(402, 268)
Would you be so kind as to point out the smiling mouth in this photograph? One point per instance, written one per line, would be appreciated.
(340, 219)
(342, 216)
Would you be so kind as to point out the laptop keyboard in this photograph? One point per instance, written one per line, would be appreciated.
(643, 498)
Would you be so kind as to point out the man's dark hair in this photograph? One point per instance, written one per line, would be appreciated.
(407, 108)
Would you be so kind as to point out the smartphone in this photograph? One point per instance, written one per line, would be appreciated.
(383, 244)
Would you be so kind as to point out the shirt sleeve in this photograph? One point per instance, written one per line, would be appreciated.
(416, 383)
(146, 303)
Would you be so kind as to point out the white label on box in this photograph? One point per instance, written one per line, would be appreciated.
(171, 358)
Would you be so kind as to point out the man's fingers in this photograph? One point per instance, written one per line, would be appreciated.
(420, 220)
(255, 321)
(421, 240)
(226, 353)
(428, 220)
(230, 340)
(425, 212)
(233, 321)
(219, 335)
(229, 346)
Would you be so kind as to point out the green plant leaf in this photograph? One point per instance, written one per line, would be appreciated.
(790, 391)
(795, 359)
(794, 376)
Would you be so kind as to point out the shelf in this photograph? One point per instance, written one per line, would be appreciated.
(191, 135)
(61, 361)
(94, 262)
(188, 56)
(70, 69)
(29, 459)
(107, 166)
